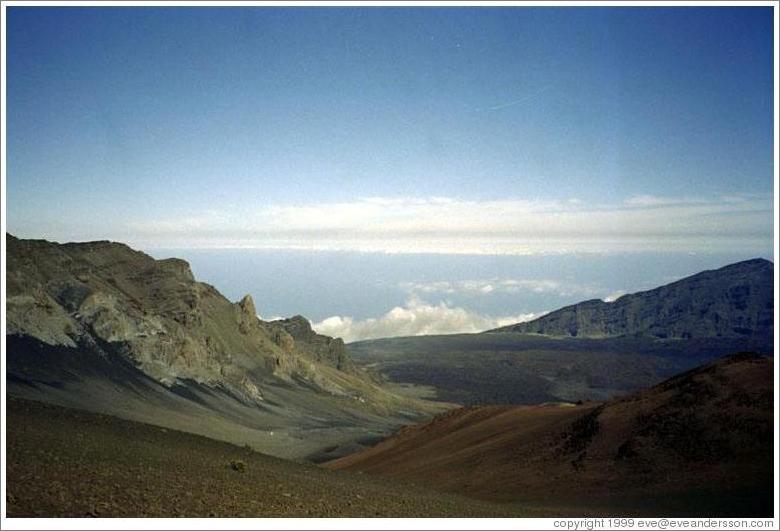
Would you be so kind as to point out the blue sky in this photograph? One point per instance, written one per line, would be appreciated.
(471, 131)
(131, 121)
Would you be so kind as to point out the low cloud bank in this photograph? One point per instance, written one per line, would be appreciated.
(415, 318)
(512, 226)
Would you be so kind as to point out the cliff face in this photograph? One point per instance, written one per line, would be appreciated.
(324, 349)
(734, 301)
(170, 326)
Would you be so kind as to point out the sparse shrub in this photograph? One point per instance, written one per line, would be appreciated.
(238, 465)
(581, 432)
(627, 450)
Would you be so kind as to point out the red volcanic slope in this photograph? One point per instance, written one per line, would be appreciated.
(698, 443)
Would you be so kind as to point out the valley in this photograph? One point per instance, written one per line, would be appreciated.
(593, 350)
(500, 265)
(513, 368)
(133, 389)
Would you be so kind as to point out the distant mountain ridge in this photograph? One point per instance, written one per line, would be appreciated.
(735, 301)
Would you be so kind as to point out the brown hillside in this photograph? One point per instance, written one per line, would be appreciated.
(697, 444)
(68, 463)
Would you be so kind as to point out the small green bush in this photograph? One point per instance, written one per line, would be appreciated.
(238, 466)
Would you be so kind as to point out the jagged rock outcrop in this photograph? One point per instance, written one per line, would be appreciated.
(733, 301)
(324, 349)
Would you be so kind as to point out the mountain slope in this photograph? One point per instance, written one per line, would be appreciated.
(103, 327)
(733, 301)
(700, 443)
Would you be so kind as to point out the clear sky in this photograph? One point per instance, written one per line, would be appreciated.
(259, 126)
(471, 131)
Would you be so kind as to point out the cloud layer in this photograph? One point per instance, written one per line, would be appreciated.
(502, 226)
(415, 318)
(500, 285)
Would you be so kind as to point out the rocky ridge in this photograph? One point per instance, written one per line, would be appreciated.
(172, 327)
(735, 301)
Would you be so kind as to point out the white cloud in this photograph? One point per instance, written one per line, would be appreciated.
(272, 318)
(500, 285)
(612, 297)
(502, 226)
(415, 318)
(656, 201)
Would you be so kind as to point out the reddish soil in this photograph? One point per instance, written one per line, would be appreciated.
(697, 444)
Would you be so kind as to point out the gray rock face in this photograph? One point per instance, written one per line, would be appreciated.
(734, 301)
(170, 326)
